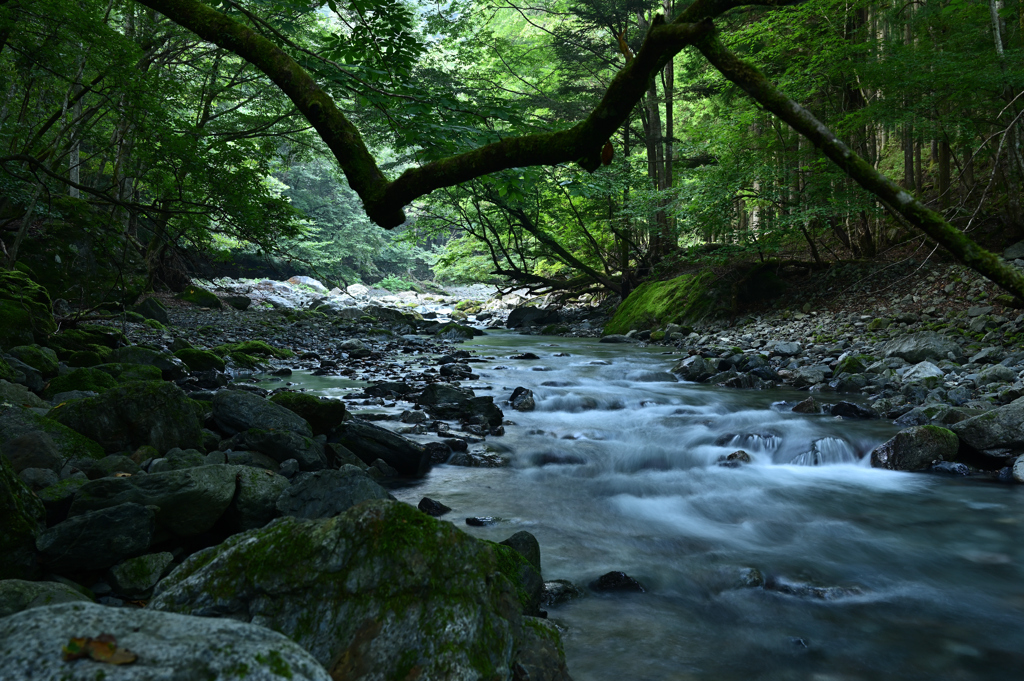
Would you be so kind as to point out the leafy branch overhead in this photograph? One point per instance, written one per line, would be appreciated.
(384, 200)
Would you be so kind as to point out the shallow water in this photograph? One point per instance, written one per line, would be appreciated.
(873, 574)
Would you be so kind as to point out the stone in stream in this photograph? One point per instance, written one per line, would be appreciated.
(439, 452)
(167, 646)
(808, 406)
(526, 545)
(483, 521)
(696, 368)
(998, 433)
(915, 449)
(849, 410)
(98, 539)
(615, 581)
(950, 468)
(155, 413)
(920, 346)
(325, 494)
(371, 442)
(21, 520)
(616, 338)
(332, 587)
(17, 595)
(522, 399)
(735, 460)
(559, 591)
(531, 316)
(190, 501)
(433, 507)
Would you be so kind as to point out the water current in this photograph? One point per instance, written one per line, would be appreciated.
(869, 574)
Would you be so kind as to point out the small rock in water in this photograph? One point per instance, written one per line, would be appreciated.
(483, 521)
(616, 581)
(559, 591)
(849, 410)
(524, 355)
(439, 452)
(735, 460)
(808, 406)
(950, 468)
(522, 399)
(432, 507)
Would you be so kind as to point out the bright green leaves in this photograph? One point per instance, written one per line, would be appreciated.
(380, 37)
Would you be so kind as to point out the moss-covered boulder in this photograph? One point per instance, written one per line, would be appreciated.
(525, 578)
(382, 587)
(686, 299)
(43, 360)
(84, 358)
(916, 448)
(853, 364)
(17, 595)
(84, 378)
(25, 314)
(87, 337)
(17, 395)
(16, 422)
(253, 347)
(171, 368)
(455, 331)
(200, 297)
(200, 360)
(153, 309)
(22, 519)
(322, 414)
(6, 372)
(125, 373)
(153, 413)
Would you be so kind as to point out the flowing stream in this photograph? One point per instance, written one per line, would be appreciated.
(869, 574)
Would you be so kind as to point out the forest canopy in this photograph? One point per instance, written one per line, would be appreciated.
(563, 146)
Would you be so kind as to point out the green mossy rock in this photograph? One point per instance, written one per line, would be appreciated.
(526, 580)
(85, 358)
(17, 595)
(15, 422)
(43, 360)
(84, 378)
(686, 299)
(200, 360)
(200, 297)
(321, 414)
(171, 368)
(87, 337)
(915, 449)
(125, 373)
(25, 314)
(253, 347)
(22, 519)
(6, 372)
(455, 331)
(854, 364)
(244, 361)
(139, 413)
(153, 309)
(381, 587)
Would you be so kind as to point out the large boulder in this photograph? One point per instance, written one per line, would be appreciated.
(382, 591)
(997, 433)
(190, 501)
(43, 360)
(925, 373)
(920, 346)
(443, 393)
(17, 595)
(98, 539)
(25, 314)
(281, 445)
(16, 423)
(696, 368)
(915, 449)
(21, 520)
(236, 411)
(18, 395)
(325, 494)
(136, 577)
(531, 316)
(370, 442)
(171, 367)
(168, 646)
(255, 504)
(153, 413)
(322, 413)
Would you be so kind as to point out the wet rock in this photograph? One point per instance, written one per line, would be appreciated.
(432, 507)
(235, 411)
(168, 646)
(331, 585)
(136, 577)
(387, 388)
(439, 452)
(356, 349)
(615, 581)
(915, 449)
(525, 577)
(21, 520)
(735, 460)
(531, 316)
(849, 410)
(559, 592)
(98, 539)
(997, 433)
(153, 413)
(280, 445)
(482, 521)
(17, 595)
(526, 545)
(325, 494)
(321, 413)
(808, 406)
(920, 346)
(371, 442)
(442, 393)
(522, 399)
(616, 338)
(950, 468)
(696, 368)
(457, 372)
(190, 501)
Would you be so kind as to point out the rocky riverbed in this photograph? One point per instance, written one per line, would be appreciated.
(162, 459)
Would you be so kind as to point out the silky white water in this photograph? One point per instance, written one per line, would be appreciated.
(871, 574)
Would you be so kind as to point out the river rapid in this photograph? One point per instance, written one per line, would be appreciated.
(869, 573)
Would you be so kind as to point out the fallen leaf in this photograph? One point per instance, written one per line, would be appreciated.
(103, 648)
(122, 475)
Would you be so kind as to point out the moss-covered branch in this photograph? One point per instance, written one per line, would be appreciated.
(928, 221)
